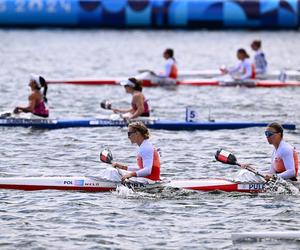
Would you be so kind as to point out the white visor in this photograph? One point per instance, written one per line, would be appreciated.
(36, 78)
(127, 83)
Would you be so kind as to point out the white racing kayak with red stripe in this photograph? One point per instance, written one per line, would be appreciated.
(95, 184)
(192, 82)
(270, 75)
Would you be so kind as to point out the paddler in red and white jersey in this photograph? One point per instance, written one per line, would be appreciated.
(148, 162)
(36, 99)
(166, 78)
(171, 70)
(284, 160)
(139, 105)
(245, 70)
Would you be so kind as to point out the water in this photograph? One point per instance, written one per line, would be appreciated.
(168, 220)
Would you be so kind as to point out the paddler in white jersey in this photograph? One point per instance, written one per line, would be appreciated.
(166, 78)
(284, 160)
(244, 70)
(171, 70)
(148, 163)
(260, 60)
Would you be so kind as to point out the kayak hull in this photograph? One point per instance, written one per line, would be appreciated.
(152, 124)
(196, 82)
(271, 75)
(94, 184)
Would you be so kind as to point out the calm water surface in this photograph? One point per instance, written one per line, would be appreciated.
(125, 220)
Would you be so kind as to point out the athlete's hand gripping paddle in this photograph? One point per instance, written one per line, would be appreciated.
(229, 158)
(107, 157)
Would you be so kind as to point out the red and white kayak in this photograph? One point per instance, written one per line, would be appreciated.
(94, 184)
(159, 82)
(270, 75)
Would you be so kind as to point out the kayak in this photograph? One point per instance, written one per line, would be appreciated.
(150, 123)
(270, 75)
(195, 82)
(95, 184)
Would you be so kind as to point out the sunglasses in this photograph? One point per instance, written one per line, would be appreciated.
(270, 133)
(130, 133)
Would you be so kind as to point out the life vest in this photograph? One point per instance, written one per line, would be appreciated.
(279, 164)
(155, 173)
(253, 75)
(174, 71)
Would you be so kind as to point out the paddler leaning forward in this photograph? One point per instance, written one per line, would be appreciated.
(284, 160)
(139, 105)
(148, 162)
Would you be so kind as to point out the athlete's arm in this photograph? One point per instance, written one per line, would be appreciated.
(235, 69)
(32, 99)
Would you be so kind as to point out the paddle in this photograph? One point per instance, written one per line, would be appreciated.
(105, 104)
(5, 115)
(228, 158)
(146, 70)
(107, 157)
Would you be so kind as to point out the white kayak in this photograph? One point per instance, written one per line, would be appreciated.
(270, 75)
(284, 235)
(95, 184)
(150, 80)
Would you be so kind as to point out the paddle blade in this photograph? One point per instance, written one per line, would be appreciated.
(5, 115)
(225, 157)
(106, 156)
(105, 104)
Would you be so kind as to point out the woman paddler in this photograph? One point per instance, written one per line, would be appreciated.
(36, 99)
(139, 105)
(284, 159)
(148, 163)
(245, 68)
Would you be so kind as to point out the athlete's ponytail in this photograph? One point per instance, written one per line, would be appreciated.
(44, 85)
